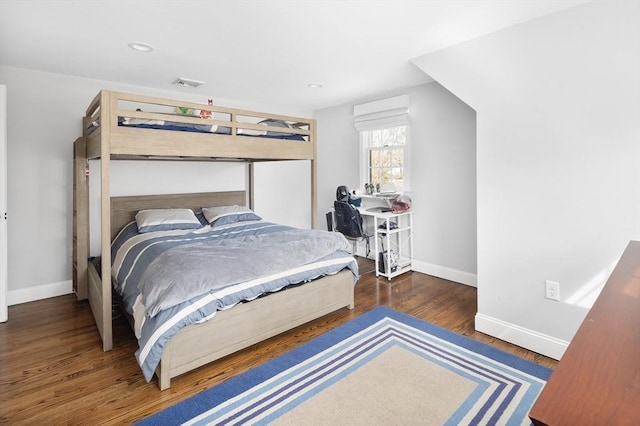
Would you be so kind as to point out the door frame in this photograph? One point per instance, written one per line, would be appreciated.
(4, 276)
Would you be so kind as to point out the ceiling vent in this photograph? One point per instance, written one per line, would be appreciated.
(185, 82)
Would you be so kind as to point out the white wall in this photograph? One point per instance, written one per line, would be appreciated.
(337, 155)
(442, 176)
(3, 204)
(44, 118)
(159, 177)
(443, 183)
(282, 192)
(558, 111)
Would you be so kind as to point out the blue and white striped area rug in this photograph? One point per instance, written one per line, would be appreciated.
(383, 367)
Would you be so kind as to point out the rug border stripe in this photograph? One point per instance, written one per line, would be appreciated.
(234, 386)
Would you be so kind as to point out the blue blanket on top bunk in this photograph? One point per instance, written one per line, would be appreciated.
(202, 128)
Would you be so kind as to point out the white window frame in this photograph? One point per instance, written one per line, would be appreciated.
(385, 113)
(365, 157)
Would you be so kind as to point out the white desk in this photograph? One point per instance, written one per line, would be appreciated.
(394, 252)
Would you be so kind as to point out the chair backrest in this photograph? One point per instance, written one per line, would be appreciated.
(348, 220)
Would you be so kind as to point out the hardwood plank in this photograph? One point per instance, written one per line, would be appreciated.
(53, 369)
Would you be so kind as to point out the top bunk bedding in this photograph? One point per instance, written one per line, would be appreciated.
(210, 128)
(133, 126)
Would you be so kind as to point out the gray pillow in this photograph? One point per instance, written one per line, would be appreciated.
(277, 123)
(224, 215)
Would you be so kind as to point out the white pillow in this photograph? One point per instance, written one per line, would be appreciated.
(166, 220)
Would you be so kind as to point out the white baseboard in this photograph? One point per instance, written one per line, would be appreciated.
(45, 291)
(528, 339)
(446, 273)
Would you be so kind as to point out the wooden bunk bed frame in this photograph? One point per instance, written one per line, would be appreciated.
(243, 325)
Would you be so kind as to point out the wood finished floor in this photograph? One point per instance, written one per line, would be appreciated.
(53, 370)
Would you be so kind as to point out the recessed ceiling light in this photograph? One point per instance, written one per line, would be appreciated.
(141, 47)
(314, 86)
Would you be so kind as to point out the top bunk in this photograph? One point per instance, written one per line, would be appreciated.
(126, 126)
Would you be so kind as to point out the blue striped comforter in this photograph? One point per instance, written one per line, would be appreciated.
(171, 279)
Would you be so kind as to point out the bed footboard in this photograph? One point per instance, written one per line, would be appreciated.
(253, 322)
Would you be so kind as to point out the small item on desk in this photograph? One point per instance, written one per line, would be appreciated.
(383, 226)
(401, 203)
(392, 225)
(356, 201)
(371, 188)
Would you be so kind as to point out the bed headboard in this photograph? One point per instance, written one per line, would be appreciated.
(123, 209)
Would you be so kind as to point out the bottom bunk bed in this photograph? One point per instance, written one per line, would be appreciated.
(179, 335)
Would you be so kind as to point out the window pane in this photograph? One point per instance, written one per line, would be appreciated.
(397, 174)
(384, 150)
(385, 158)
(392, 136)
(374, 175)
(397, 157)
(376, 138)
(374, 158)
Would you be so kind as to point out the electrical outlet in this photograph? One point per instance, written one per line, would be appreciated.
(552, 290)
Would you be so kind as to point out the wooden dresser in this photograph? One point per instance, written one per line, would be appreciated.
(597, 381)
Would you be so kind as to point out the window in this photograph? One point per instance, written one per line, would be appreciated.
(383, 157)
(384, 143)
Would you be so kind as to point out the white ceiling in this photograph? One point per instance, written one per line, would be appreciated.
(263, 52)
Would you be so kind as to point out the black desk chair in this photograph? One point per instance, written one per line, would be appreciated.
(349, 224)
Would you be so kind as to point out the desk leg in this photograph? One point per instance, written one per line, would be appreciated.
(375, 253)
(388, 249)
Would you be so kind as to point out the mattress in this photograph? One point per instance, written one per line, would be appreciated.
(205, 128)
(171, 279)
(202, 128)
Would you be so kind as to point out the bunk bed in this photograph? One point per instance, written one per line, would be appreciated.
(120, 126)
